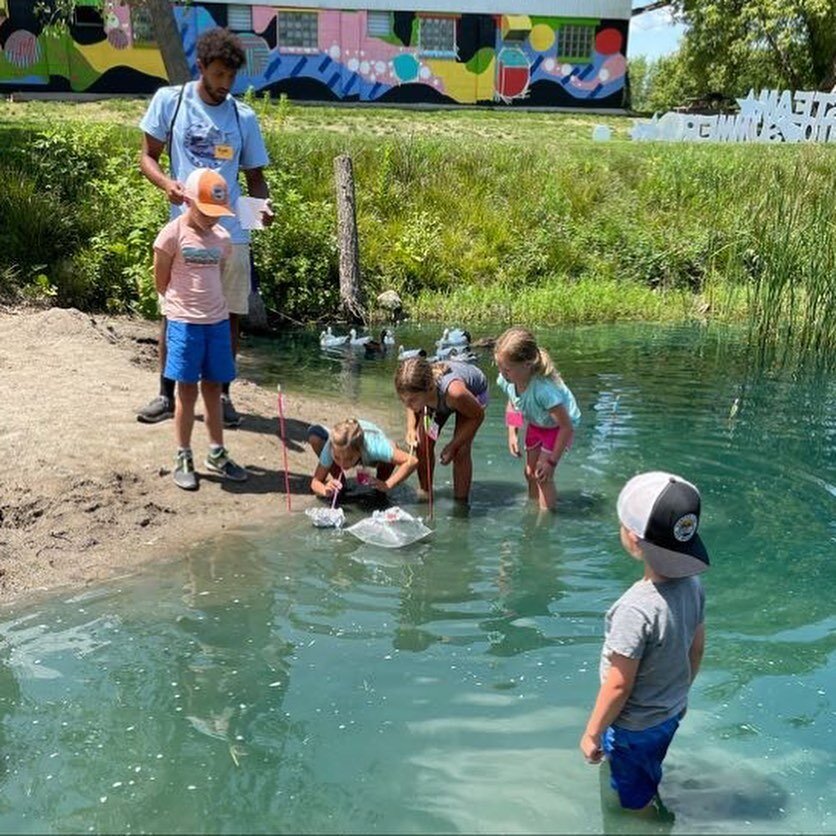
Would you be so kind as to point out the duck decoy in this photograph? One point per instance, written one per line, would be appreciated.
(355, 340)
(379, 347)
(327, 339)
(443, 352)
(463, 355)
(407, 354)
(460, 354)
(456, 336)
(484, 342)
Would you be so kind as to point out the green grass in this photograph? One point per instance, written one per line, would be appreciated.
(487, 125)
(482, 214)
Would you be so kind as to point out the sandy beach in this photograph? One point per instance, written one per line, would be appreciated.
(86, 492)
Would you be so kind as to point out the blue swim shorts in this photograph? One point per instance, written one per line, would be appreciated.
(636, 761)
(199, 352)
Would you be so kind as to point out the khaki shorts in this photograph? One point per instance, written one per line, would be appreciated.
(235, 280)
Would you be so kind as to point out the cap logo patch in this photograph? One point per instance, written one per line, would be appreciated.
(685, 528)
(219, 193)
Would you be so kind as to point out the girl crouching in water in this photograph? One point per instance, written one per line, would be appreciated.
(352, 443)
(538, 397)
(431, 393)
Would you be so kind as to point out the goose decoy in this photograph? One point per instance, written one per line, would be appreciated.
(406, 354)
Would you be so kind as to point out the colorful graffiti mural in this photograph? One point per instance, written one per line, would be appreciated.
(394, 57)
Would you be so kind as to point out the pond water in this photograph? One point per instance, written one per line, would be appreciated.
(292, 679)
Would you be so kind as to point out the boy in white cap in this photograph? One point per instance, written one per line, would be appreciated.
(654, 637)
(189, 254)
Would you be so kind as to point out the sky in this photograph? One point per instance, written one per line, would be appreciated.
(653, 34)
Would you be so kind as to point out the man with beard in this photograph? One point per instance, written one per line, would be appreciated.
(201, 125)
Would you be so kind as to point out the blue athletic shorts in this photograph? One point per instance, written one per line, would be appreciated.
(636, 761)
(199, 352)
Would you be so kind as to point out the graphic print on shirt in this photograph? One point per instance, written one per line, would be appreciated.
(202, 255)
(207, 147)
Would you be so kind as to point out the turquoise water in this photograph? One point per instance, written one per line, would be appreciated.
(290, 679)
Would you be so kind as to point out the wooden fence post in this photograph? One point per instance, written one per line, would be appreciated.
(349, 248)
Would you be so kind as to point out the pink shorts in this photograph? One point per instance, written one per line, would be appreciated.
(544, 437)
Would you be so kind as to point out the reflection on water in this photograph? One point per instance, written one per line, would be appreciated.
(295, 679)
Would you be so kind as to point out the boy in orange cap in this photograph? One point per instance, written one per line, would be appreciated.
(189, 254)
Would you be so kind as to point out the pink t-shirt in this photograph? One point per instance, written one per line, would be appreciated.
(195, 293)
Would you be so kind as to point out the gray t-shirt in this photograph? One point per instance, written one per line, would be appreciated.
(654, 622)
(472, 377)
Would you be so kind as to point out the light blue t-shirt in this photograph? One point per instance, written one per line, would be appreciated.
(204, 136)
(377, 448)
(541, 395)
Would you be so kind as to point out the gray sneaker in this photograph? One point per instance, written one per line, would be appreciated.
(158, 410)
(221, 463)
(184, 475)
(232, 417)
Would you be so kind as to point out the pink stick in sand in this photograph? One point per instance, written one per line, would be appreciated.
(283, 436)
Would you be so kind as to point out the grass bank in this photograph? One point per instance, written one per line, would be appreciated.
(467, 214)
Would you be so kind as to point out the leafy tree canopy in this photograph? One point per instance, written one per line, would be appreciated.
(732, 45)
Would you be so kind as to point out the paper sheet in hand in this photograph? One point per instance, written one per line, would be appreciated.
(249, 211)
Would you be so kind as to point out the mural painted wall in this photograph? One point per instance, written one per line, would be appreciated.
(333, 55)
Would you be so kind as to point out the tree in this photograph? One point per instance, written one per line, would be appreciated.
(781, 43)
(669, 83)
(169, 41)
(639, 78)
(59, 13)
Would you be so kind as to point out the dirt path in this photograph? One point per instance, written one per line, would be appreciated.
(86, 491)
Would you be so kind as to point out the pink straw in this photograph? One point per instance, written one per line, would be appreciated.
(283, 435)
(336, 492)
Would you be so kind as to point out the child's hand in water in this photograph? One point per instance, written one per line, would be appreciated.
(378, 484)
(591, 748)
(446, 454)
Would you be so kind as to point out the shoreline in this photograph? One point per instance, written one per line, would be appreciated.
(88, 494)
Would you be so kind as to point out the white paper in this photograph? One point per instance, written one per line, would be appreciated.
(249, 211)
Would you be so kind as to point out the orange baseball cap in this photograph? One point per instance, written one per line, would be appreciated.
(208, 191)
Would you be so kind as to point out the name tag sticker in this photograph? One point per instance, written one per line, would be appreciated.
(224, 152)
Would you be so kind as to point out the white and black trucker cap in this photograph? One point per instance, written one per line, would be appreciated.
(663, 511)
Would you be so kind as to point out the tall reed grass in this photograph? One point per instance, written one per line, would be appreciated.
(785, 257)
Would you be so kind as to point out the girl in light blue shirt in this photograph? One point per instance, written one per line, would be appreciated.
(354, 443)
(538, 398)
